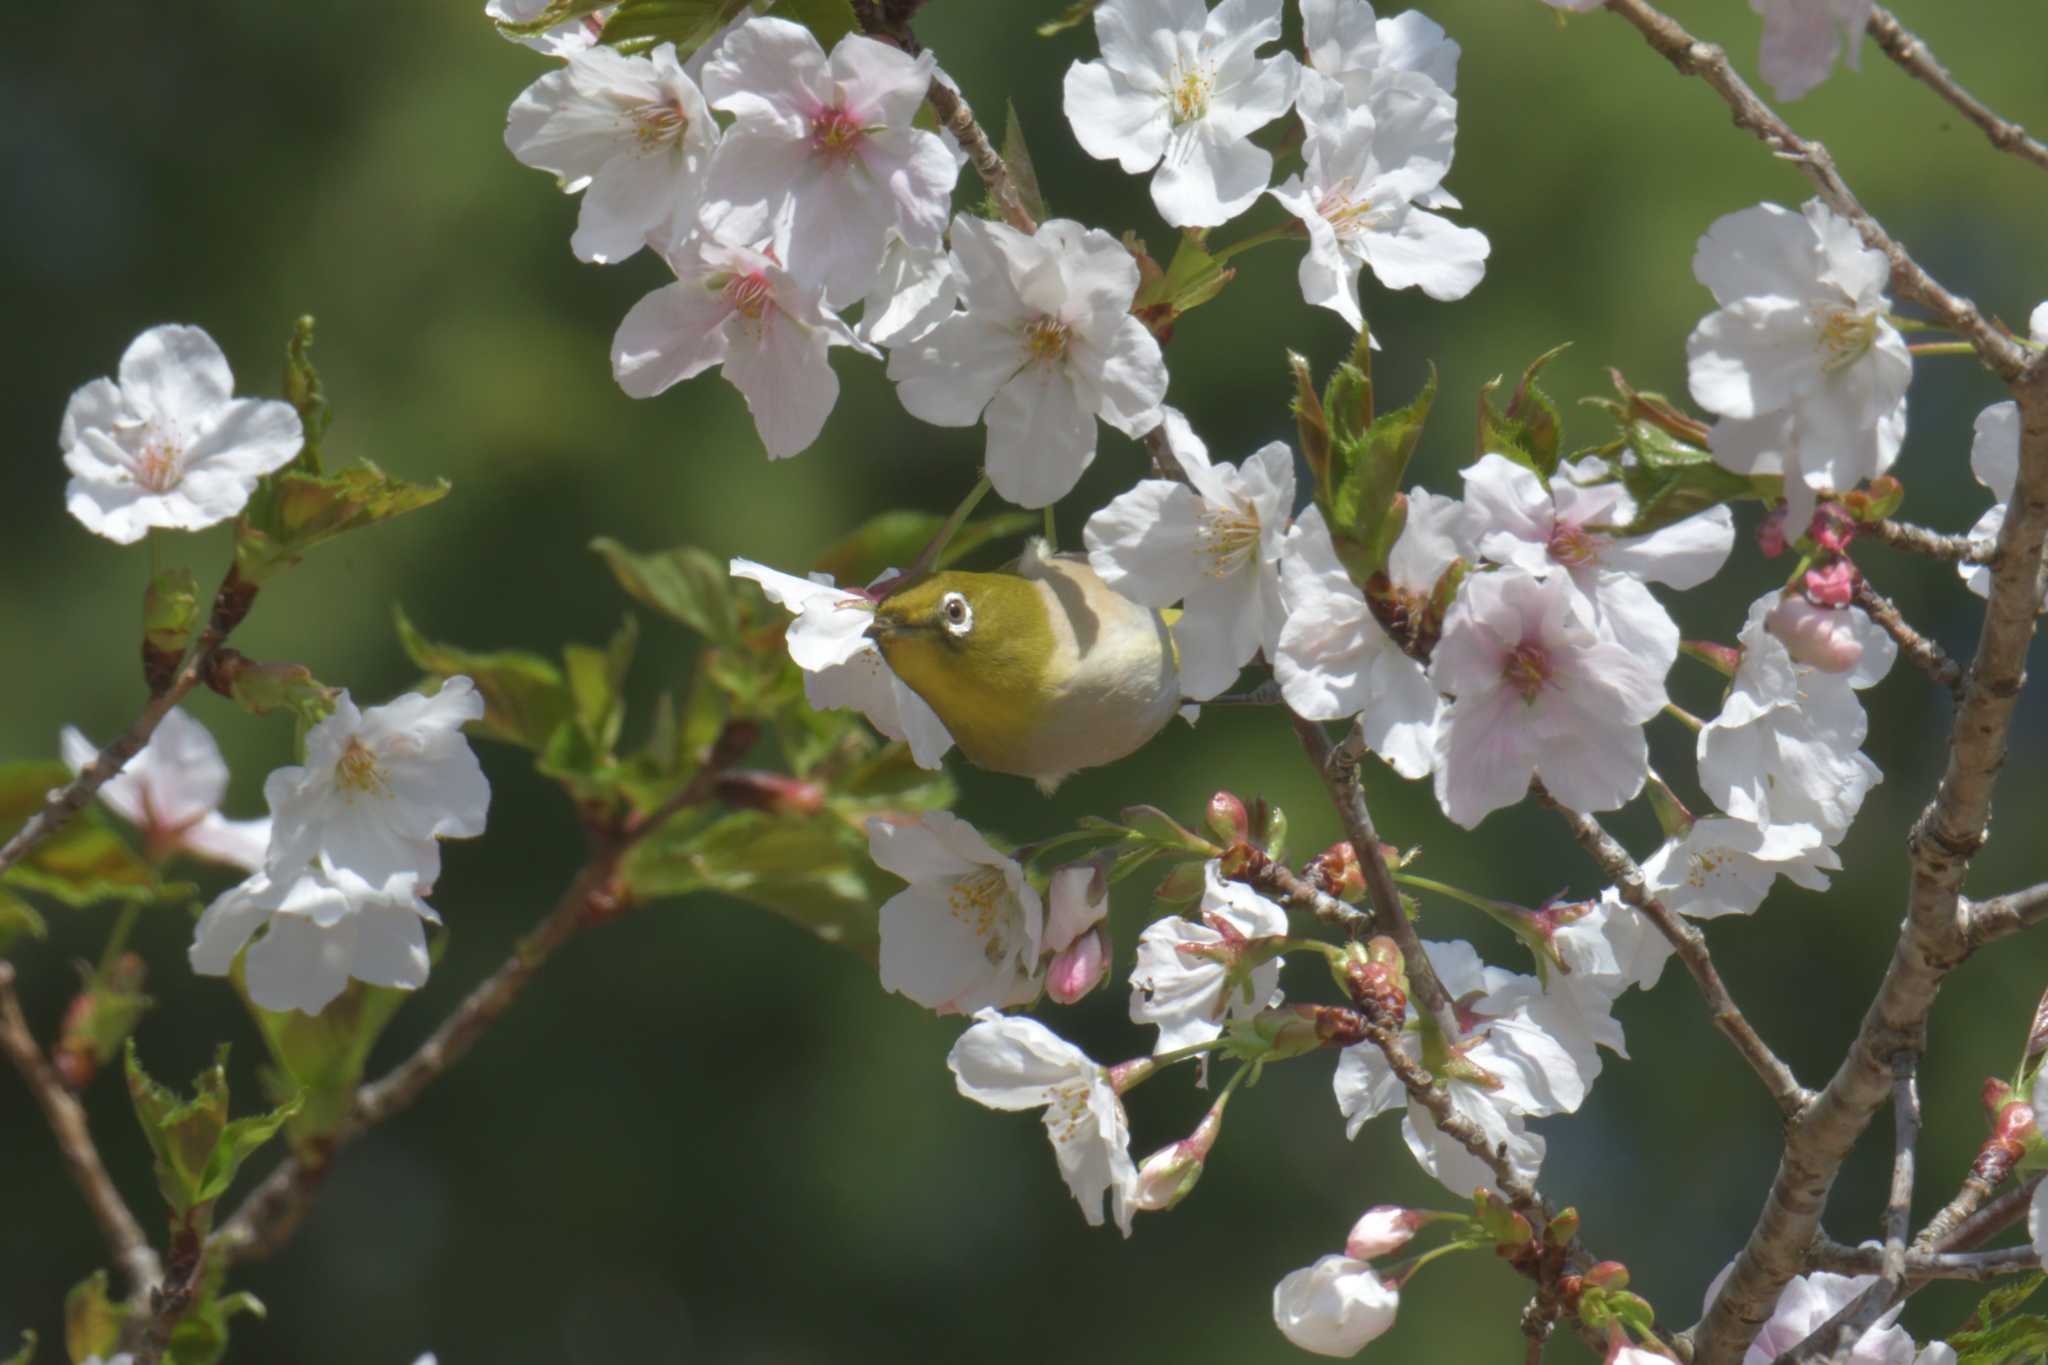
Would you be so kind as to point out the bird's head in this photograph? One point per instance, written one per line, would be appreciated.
(977, 646)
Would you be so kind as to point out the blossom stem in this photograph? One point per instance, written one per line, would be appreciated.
(1942, 348)
(929, 555)
(1492, 909)
(1684, 717)
(1279, 233)
(117, 938)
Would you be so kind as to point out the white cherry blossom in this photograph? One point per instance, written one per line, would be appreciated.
(1802, 38)
(1016, 1063)
(967, 931)
(735, 306)
(1182, 87)
(1995, 460)
(1191, 975)
(1211, 543)
(564, 40)
(1799, 361)
(841, 665)
(1046, 344)
(1369, 170)
(1784, 749)
(1610, 948)
(1726, 867)
(631, 134)
(319, 928)
(1335, 660)
(1345, 42)
(1514, 518)
(378, 790)
(1334, 1307)
(828, 143)
(1808, 1301)
(168, 444)
(171, 791)
(913, 292)
(1539, 692)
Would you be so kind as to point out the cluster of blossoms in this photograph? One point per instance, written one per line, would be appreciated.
(784, 184)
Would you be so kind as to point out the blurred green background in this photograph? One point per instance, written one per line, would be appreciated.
(704, 1136)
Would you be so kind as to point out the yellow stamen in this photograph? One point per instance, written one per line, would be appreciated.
(1527, 670)
(1228, 536)
(1047, 338)
(1846, 336)
(356, 771)
(1189, 98)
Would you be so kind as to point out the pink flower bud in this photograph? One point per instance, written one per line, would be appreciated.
(1817, 636)
(1166, 1177)
(1770, 537)
(1833, 586)
(1832, 528)
(1079, 967)
(1381, 1231)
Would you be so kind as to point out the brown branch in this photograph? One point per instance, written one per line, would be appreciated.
(1691, 947)
(230, 604)
(1338, 767)
(1987, 921)
(1709, 63)
(1980, 1224)
(1279, 882)
(1918, 540)
(1917, 60)
(1924, 1266)
(1423, 1088)
(66, 1117)
(1923, 653)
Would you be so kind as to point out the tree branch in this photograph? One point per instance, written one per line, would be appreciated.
(1925, 655)
(1918, 540)
(1691, 947)
(66, 1117)
(1338, 767)
(1278, 881)
(1923, 1266)
(1426, 1092)
(1917, 60)
(1987, 921)
(1692, 57)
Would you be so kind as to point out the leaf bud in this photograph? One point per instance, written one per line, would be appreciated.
(99, 1019)
(170, 614)
(773, 793)
(263, 688)
(1335, 872)
(1227, 819)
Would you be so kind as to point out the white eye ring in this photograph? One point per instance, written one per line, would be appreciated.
(959, 616)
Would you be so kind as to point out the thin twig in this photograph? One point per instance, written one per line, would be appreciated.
(1278, 881)
(1423, 1088)
(66, 1117)
(1691, 57)
(1980, 1224)
(1917, 59)
(1924, 1266)
(1923, 653)
(1338, 767)
(1918, 540)
(1691, 948)
(1989, 920)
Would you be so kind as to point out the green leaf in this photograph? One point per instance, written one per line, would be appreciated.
(1529, 431)
(201, 1336)
(1072, 16)
(302, 390)
(891, 777)
(1191, 279)
(1366, 509)
(815, 872)
(27, 1352)
(18, 917)
(828, 20)
(2021, 1340)
(292, 512)
(638, 25)
(685, 584)
(1017, 156)
(238, 1142)
(893, 540)
(321, 1057)
(1155, 826)
(84, 862)
(198, 1148)
(92, 1320)
(597, 679)
(525, 696)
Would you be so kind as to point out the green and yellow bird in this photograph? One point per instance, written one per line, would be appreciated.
(1037, 670)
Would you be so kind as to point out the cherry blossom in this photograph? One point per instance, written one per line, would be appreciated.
(1335, 660)
(827, 142)
(1334, 1307)
(1182, 87)
(1802, 38)
(564, 40)
(1191, 976)
(913, 292)
(1606, 948)
(967, 931)
(378, 790)
(1995, 460)
(1799, 361)
(631, 134)
(1808, 1301)
(841, 665)
(735, 306)
(1046, 344)
(1211, 543)
(319, 928)
(1784, 749)
(1346, 43)
(168, 444)
(171, 791)
(1369, 170)
(1724, 866)
(1016, 1063)
(1539, 692)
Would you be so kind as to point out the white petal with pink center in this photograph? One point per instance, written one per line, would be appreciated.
(735, 306)
(841, 665)
(966, 932)
(828, 142)
(1182, 87)
(1726, 867)
(171, 791)
(1334, 1307)
(1211, 543)
(1045, 345)
(632, 134)
(318, 928)
(169, 445)
(1186, 981)
(1539, 692)
(1015, 1063)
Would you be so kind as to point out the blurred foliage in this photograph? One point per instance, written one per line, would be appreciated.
(703, 1136)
